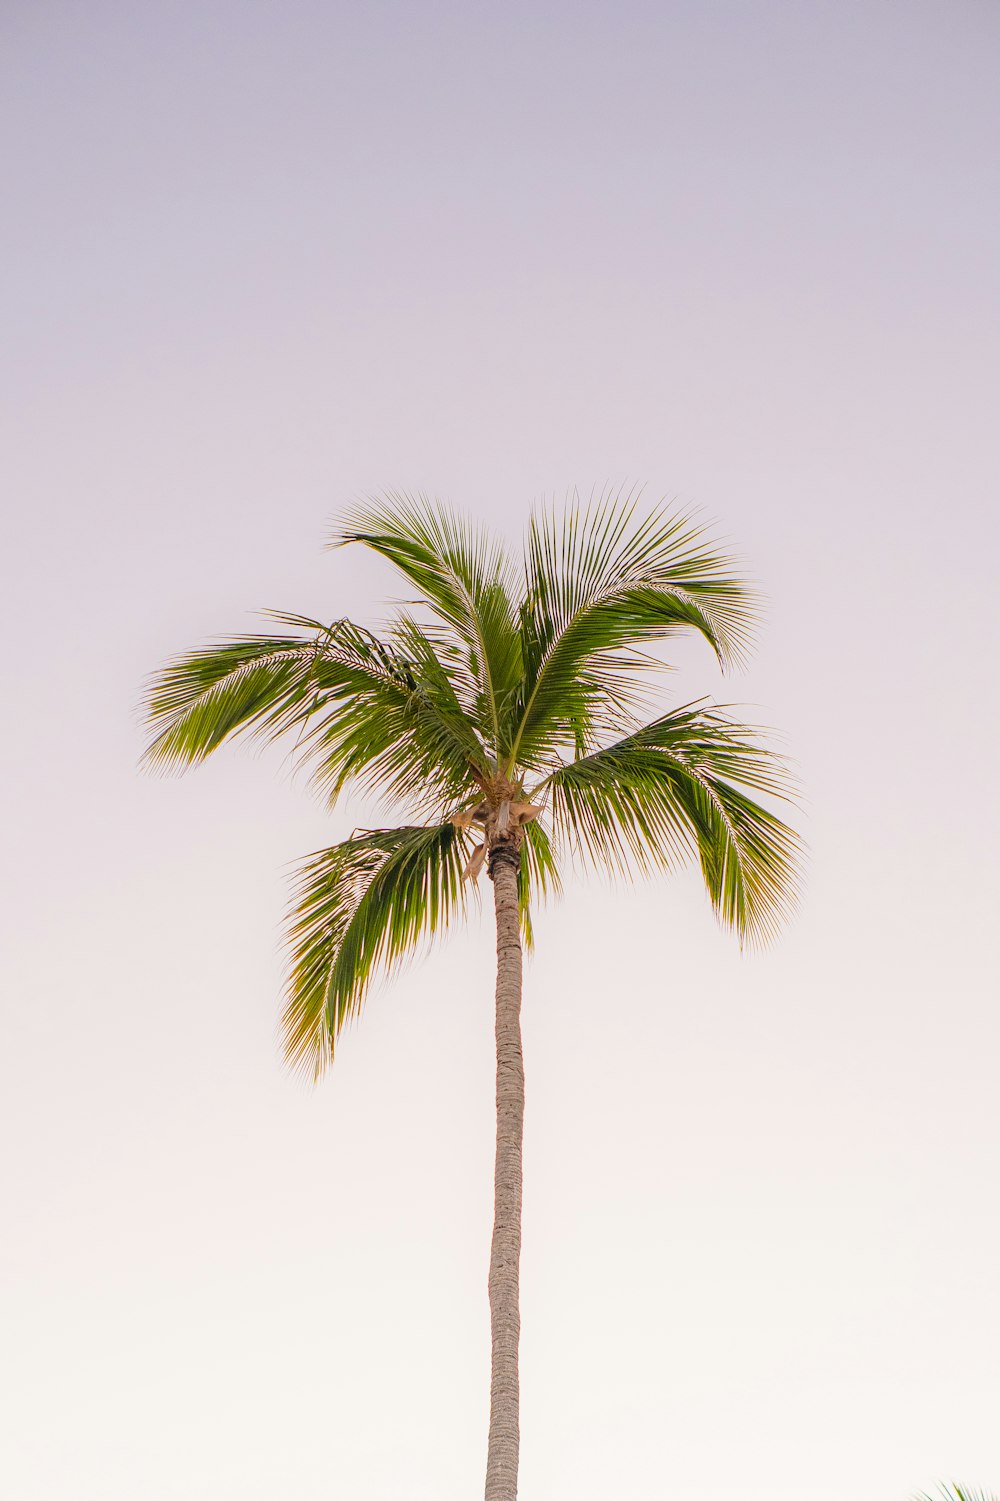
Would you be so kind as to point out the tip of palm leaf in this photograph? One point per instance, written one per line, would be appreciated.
(163, 760)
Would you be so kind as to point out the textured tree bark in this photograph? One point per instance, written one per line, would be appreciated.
(505, 1252)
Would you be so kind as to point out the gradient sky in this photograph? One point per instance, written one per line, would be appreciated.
(259, 260)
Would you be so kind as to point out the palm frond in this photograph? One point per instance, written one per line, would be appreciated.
(364, 709)
(398, 728)
(258, 685)
(467, 579)
(955, 1492)
(358, 908)
(602, 581)
(538, 875)
(682, 785)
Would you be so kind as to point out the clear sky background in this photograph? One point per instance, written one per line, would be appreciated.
(259, 260)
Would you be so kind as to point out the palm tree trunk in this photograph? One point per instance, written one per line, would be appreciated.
(505, 1252)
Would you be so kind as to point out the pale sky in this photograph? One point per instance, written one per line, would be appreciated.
(259, 260)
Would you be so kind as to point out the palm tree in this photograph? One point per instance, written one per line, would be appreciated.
(507, 713)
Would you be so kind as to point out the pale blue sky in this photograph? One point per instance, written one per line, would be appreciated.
(258, 260)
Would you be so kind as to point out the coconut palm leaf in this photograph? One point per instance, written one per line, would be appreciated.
(679, 785)
(956, 1492)
(398, 729)
(601, 581)
(466, 578)
(358, 907)
(362, 708)
(255, 684)
(538, 876)
(639, 577)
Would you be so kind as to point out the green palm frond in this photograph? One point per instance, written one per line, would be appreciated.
(600, 583)
(683, 785)
(956, 1492)
(359, 907)
(363, 709)
(538, 876)
(398, 728)
(467, 579)
(259, 685)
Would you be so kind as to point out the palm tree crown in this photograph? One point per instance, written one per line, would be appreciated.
(507, 696)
